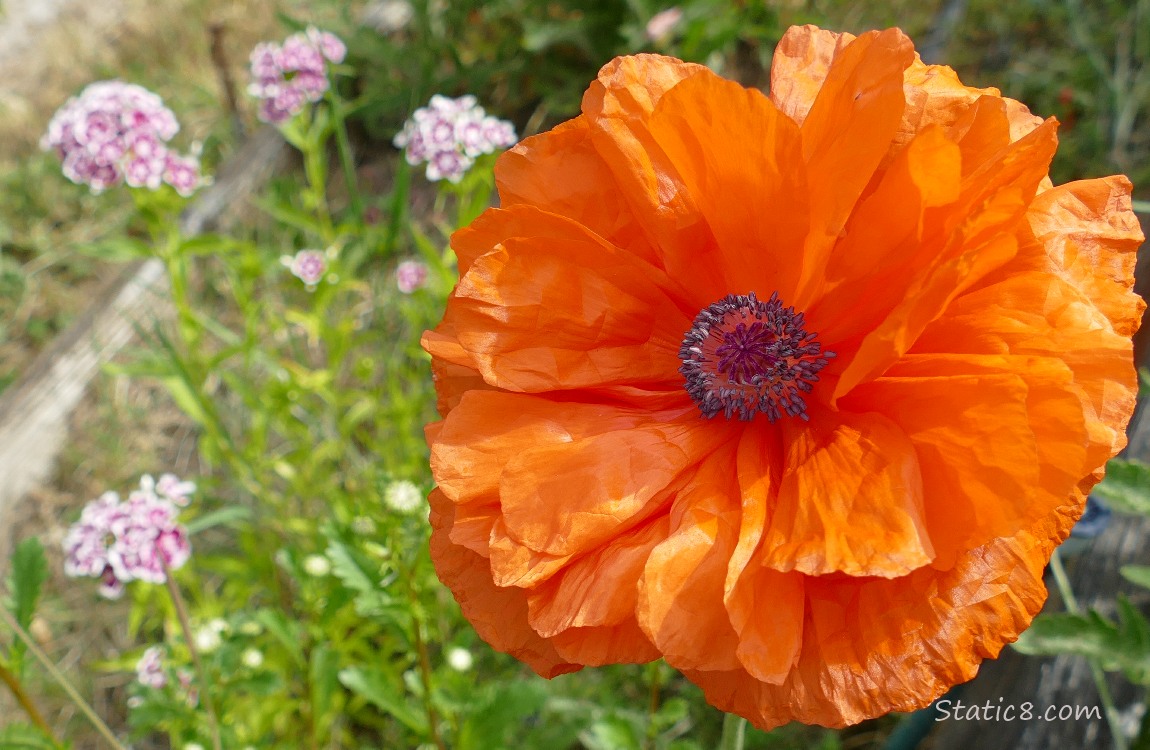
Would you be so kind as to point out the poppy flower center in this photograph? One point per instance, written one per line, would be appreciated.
(745, 356)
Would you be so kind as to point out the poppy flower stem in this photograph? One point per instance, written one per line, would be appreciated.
(654, 677)
(734, 731)
(1071, 604)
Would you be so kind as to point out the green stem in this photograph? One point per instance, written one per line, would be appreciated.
(346, 162)
(1071, 604)
(734, 732)
(654, 675)
(315, 170)
(201, 675)
(25, 701)
(60, 679)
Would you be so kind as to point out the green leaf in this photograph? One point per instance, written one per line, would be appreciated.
(229, 516)
(497, 718)
(116, 249)
(324, 683)
(1137, 574)
(286, 631)
(1143, 382)
(358, 575)
(1126, 487)
(209, 244)
(25, 737)
(1116, 647)
(386, 694)
(612, 732)
(29, 571)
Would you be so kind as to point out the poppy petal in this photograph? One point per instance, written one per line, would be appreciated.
(850, 500)
(561, 172)
(1091, 237)
(976, 237)
(618, 107)
(741, 164)
(498, 614)
(1012, 456)
(599, 588)
(799, 67)
(849, 129)
(551, 312)
(765, 606)
(860, 659)
(681, 592)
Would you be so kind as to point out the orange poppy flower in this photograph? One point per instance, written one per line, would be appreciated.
(797, 392)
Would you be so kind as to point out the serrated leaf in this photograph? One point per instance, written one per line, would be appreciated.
(29, 571)
(25, 582)
(1116, 647)
(377, 688)
(1126, 487)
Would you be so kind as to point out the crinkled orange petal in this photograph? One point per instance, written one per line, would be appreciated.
(1091, 238)
(974, 237)
(848, 131)
(597, 486)
(981, 131)
(599, 588)
(498, 614)
(765, 606)
(1012, 456)
(618, 107)
(869, 268)
(799, 67)
(739, 158)
(680, 604)
(560, 172)
(850, 499)
(1037, 314)
(549, 312)
(623, 643)
(860, 659)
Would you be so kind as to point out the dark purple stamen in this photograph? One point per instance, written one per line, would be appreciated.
(743, 356)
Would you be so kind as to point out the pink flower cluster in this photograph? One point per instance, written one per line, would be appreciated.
(308, 266)
(285, 77)
(410, 275)
(150, 668)
(117, 132)
(131, 540)
(448, 134)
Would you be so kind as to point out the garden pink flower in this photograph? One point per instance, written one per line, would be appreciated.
(150, 668)
(288, 76)
(663, 23)
(449, 134)
(117, 132)
(138, 539)
(410, 276)
(308, 266)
